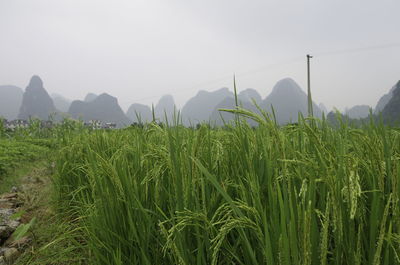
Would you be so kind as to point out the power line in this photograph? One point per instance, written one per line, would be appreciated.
(282, 63)
(361, 49)
(229, 76)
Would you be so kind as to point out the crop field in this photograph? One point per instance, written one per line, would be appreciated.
(305, 193)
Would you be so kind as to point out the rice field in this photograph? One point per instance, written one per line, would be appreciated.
(305, 193)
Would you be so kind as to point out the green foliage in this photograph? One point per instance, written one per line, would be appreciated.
(300, 194)
(29, 144)
(23, 229)
(14, 152)
(17, 215)
(2, 128)
(57, 241)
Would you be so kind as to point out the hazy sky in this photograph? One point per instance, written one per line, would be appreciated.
(138, 50)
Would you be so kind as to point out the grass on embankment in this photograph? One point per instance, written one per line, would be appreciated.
(55, 238)
(17, 156)
(27, 163)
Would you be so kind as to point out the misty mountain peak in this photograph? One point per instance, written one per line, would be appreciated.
(36, 102)
(104, 108)
(35, 82)
(286, 85)
(358, 112)
(288, 99)
(165, 106)
(139, 112)
(166, 99)
(249, 94)
(224, 90)
(391, 111)
(384, 100)
(106, 98)
(200, 107)
(90, 97)
(396, 90)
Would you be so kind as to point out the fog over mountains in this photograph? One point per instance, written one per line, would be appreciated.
(287, 100)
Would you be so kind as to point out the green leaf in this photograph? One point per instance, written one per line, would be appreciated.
(23, 229)
(17, 215)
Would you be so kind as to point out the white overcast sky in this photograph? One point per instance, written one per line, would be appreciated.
(138, 50)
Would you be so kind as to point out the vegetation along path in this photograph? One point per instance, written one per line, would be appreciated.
(18, 211)
(31, 228)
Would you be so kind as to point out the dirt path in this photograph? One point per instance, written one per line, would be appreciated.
(19, 210)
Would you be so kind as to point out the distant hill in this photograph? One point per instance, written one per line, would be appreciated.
(323, 108)
(166, 105)
(391, 111)
(90, 97)
(245, 100)
(199, 108)
(384, 100)
(61, 103)
(288, 99)
(139, 110)
(104, 108)
(10, 101)
(220, 117)
(334, 117)
(358, 112)
(36, 102)
(249, 94)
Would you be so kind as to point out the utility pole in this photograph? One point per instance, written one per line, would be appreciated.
(310, 103)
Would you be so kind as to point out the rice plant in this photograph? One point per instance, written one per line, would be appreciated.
(306, 193)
